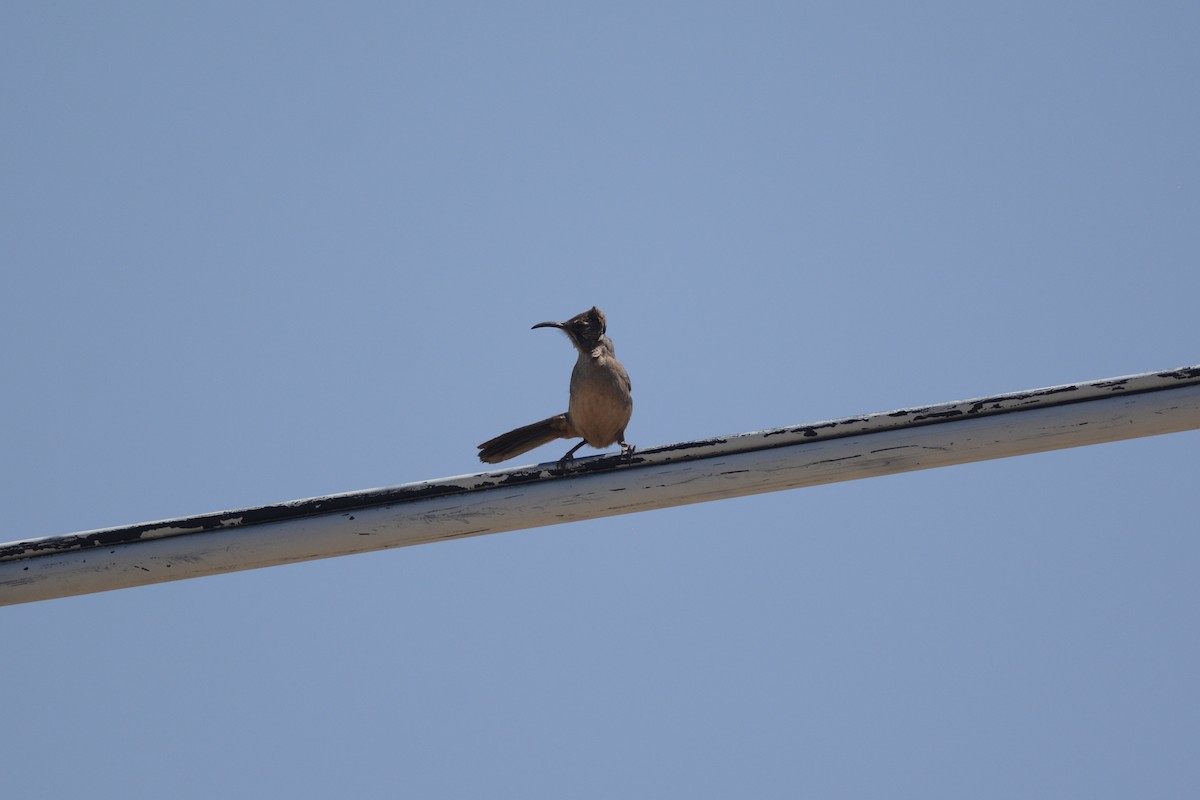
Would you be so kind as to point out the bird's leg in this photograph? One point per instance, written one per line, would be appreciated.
(562, 462)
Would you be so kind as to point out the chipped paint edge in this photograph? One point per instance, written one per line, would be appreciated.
(704, 448)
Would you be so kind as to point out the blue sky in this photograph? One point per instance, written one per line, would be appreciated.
(257, 252)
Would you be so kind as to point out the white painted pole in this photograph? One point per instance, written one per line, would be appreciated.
(492, 502)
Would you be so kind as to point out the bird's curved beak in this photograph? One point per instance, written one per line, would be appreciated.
(560, 325)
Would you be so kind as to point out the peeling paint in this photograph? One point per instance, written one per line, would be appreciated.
(648, 458)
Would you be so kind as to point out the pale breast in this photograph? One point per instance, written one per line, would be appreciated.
(601, 404)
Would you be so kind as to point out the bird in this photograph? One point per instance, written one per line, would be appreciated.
(601, 402)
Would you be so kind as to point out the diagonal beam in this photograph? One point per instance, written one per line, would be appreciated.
(942, 435)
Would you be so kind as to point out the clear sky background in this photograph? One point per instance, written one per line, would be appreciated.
(255, 252)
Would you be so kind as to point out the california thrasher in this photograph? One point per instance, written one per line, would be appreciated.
(600, 404)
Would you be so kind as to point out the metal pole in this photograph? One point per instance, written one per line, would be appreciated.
(525, 497)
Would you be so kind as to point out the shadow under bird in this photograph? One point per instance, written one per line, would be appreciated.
(600, 404)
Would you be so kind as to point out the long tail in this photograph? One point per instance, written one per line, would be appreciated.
(512, 444)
